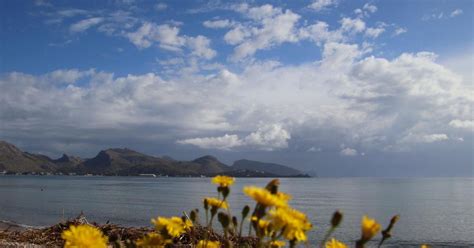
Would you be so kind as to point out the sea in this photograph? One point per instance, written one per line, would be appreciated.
(434, 211)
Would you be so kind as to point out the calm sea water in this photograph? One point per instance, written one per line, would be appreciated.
(437, 211)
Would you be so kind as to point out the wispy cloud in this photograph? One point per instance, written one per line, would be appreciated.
(85, 24)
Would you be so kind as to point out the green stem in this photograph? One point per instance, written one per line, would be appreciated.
(381, 242)
(241, 227)
(328, 233)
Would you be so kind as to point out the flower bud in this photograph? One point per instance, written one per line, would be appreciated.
(223, 219)
(235, 222)
(336, 219)
(272, 186)
(245, 211)
(394, 219)
(193, 216)
(225, 191)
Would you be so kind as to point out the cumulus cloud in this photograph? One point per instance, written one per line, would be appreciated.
(270, 26)
(85, 24)
(424, 138)
(218, 23)
(167, 37)
(370, 8)
(267, 26)
(320, 33)
(374, 32)
(67, 76)
(468, 124)
(366, 10)
(268, 138)
(319, 5)
(225, 142)
(348, 152)
(456, 12)
(366, 102)
(350, 25)
(200, 47)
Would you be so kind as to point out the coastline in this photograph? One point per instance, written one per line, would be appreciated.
(13, 226)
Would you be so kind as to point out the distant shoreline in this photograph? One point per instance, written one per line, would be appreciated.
(157, 176)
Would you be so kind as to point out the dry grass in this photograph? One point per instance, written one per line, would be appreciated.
(51, 236)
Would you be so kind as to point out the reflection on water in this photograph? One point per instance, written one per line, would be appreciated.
(433, 210)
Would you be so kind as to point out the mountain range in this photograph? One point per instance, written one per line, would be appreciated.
(127, 162)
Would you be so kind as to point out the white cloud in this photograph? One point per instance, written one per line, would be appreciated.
(456, 12)
(237, 35)
(370, 8)
(434, 138)
(268, 138)
(374, 32)
(161, 6)
(226, 142)
(468, 124)
(366, 10)
(168, 38)
(270, 27)
(424, 138)
(85, 24)
(218, 23)
(368, 102)
(442, 15)
(314, 149)
(319, 5)
(200, 47)
(67, 76)
(350, 25)
(399, 31)
(348, 152)
(320, 33)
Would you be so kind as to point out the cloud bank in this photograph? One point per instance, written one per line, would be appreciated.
(367, 102)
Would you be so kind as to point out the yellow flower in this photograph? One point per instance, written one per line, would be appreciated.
(263, 224)
(264, 197)
(208, 244)
(284, 196)
(84, 236)
(223, 181)
(277, 244)
(175, 226)
(370, 228)
(295, 224)
(151, 240)
(333, 243)
(424, 246)
(214, 202)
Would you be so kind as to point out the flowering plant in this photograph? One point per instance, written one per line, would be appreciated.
(273, 223)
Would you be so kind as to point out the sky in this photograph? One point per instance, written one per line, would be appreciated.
(336, 87)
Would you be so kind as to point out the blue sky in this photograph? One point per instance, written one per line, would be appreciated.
(332, 86)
